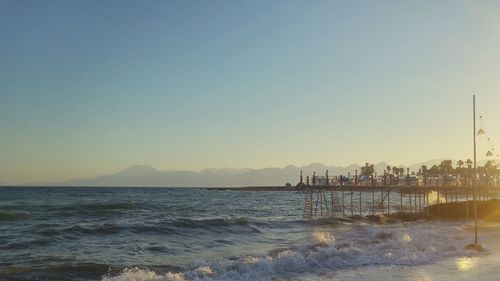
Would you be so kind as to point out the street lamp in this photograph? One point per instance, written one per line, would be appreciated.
(475, 246)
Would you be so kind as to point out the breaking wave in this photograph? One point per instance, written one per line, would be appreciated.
(402, 245)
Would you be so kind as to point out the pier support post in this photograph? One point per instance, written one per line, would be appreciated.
(419, 201)
(409, 200)
(352, 204)
(382, 201)
(360, 213)
(388, 201)
(401, 201)
(333, 209)
(373, 201)
(428, 205)
(317, 201)
(415, 198)
(312, 191)
(343, 204)
(424, 198)
(321, 201)
(326, 202)
(439, 205)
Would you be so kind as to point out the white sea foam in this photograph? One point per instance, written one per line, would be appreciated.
(364, 245)
(136, 274)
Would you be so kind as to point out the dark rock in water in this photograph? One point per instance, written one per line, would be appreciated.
(357, 217)
(476, 247)
(383, 235)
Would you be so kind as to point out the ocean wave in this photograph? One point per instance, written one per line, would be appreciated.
(177, 226)
(105, 229)
(402, 245)
(30, 243)
(244, 221)
(93, 209)
(115, 206)
(138, 274)
(142, 228)
(5, 215)
(84, 271)
(210, 222)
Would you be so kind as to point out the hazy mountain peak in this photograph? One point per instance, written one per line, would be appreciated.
(138, 170)
(316, 166)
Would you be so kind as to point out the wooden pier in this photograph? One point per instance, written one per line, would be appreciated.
(344, 201)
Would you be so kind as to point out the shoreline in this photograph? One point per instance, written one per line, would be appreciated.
(253, 188)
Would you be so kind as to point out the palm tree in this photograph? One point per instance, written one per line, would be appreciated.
(460, 170)
(368, 170)
(469, 163)
(395, 172)
(423, 171)
(402, 171)
(434, 170)
(389, 174)
(445, 168)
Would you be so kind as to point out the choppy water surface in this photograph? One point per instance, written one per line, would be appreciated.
(196, 234)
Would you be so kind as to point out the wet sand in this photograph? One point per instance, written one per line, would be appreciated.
(484, 266)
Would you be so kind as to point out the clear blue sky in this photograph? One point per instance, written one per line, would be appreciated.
(92, 87)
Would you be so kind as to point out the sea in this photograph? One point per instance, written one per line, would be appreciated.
(139, 234)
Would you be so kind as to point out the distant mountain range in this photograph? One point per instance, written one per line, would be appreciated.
(141, 175)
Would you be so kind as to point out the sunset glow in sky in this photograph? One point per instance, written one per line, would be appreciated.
(92, 87)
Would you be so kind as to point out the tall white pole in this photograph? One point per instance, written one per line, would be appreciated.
(475, 168)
